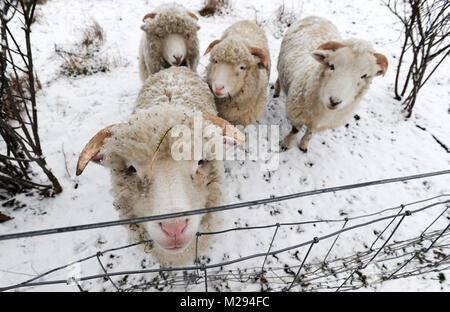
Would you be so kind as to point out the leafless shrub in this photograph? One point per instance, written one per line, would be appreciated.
(20, 88)
(38, 2)
(213, 7)
(35, 18)
(426, 32)
(20, 150)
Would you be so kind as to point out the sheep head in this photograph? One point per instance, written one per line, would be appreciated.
(231, 62)
(174, 28)
(347, 71)
(155, 170)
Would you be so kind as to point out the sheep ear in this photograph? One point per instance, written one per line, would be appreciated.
(382, 62)
(324, 50)
(263, 59)
(230, 133)
(192, 15)
(146, 26)
(149, 15)
(211, 45)
(91, 150)
(331, 46)
(320, 56)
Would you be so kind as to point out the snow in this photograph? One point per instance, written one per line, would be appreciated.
(379, 144)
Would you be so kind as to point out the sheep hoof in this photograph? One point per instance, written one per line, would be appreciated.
(275, 95)
(283, 148)
(304, 150)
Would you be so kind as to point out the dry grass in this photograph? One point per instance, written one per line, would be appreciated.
(285, 17)
(83, 64)
(213, 7)
(87, 57)
(93, 36)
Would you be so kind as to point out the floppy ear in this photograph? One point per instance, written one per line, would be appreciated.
(192, 15)
(149, 15)
(92, 149)
(211, 45)
(382, 62)
(259, 53)
(324, 50)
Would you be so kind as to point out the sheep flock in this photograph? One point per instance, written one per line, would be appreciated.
(155, 167)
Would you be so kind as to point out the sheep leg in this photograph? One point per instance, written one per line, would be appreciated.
(305, 140)
(276, 93)
(289, 140)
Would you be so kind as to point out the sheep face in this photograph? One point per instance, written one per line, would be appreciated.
(148, 176)
(346, 73)
(231, 65)
(226, 79)
(171, 187)
(174, 49)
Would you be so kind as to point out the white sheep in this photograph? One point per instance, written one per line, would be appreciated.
(323, 77)
(238, 72)
(146, 177)
(169, 39)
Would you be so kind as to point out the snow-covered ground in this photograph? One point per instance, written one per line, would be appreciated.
(379, 144)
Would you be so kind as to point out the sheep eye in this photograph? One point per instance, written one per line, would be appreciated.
(131, 170)
(364, 76)
(200, 164)
(331, 66)
(242, 67)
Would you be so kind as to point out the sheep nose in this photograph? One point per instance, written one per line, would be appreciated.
(334, 102)
(218, 89)
(174, 228)
(177, 59)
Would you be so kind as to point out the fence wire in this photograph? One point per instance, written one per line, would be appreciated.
(223, 207)
(385, 258)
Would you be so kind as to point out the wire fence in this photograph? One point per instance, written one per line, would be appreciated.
(382, 259)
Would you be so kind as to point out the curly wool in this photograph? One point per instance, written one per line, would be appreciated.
(169, 19)
(176, 85)
(233, 50)
(359, 46)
